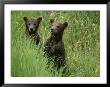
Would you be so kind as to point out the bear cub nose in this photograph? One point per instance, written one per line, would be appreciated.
(52, 29)
(31, 29)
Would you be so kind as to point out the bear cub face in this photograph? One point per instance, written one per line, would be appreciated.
(32, 24)
(57, 28)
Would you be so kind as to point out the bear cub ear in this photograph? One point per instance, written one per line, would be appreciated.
(51, 21)
(25, 18)
(65, 24)
(39, 18)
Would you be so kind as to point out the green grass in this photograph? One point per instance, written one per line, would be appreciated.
(81, 39)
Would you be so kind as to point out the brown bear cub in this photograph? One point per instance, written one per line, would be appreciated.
(32, 25)
(54, 45)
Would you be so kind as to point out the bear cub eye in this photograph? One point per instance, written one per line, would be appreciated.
(34, 24)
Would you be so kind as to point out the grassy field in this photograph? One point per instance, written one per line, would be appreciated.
(81, 39)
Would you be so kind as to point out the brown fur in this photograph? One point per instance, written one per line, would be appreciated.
(32, 25)
(54, 45)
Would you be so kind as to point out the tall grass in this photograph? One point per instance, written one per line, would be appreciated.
(81, 39)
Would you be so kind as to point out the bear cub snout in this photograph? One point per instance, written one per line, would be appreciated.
(32, 25)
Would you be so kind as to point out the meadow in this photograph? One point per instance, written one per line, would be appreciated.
(81, 39)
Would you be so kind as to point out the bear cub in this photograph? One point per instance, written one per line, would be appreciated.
(32, 25)
(54, 45)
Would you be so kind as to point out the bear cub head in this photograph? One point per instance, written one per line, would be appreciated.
(32, 24)
(57, 28)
